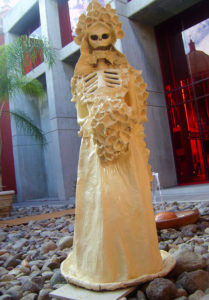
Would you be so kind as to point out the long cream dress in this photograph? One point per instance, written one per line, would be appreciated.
(115, 234)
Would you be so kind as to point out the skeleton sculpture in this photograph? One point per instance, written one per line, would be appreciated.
(115, 243)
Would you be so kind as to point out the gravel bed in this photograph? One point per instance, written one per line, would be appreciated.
(30, 256)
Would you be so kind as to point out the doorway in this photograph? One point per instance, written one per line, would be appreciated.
(183, 44)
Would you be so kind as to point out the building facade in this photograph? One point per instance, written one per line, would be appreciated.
(50, 171)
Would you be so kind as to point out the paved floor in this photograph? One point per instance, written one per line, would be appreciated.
(44, 202)
(193, 193)
(198, 192)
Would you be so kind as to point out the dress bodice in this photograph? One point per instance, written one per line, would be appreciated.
(106, 82)
(110, 78)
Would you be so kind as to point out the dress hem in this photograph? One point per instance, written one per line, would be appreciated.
(168, 264)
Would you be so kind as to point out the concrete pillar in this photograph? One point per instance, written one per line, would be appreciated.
(62, 135)
(139, 46)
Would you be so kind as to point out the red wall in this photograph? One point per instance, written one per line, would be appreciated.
(7, 161)
(65, 27)
(1, 39)
(29, 65)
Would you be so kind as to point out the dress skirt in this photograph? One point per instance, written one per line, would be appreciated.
(115, 233)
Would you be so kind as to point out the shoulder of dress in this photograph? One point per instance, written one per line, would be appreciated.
(138, 87)
(83, 67)
(134, 72)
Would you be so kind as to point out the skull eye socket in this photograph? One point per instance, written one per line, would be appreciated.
(105, 36)
(94, 37)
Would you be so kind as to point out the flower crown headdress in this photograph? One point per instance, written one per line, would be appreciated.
(96, 13)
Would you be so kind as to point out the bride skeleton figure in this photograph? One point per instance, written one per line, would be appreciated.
(115, 242)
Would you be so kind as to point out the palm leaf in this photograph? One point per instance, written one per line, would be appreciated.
(22, 46)
(12, 63)
(12, 79)
(29, 87)
(25, 123)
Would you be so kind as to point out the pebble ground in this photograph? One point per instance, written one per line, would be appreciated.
(30, 257)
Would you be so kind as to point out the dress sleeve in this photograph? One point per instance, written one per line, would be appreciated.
(81, 107)
(137, 96)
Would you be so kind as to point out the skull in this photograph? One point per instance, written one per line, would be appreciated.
(100, 36)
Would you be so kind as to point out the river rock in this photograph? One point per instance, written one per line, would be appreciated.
(48, 247)
(169, 234)
(3, 251)
(11, 262)
(15, 272)
(24, 270)
(3, 236)
(25, 263)
(5, 256)
(71, 228)
(178, 241)
(30, 296)
(3, 271)
(197, 295)
(44, 294)
(53, 263)
(47, 275)
(206, 297)
(6, 297)
(65, 242)
(187, 260)
(189, 230)
(163, 246)
(161, 289)
(204, 211)
(38, 280)
(14, 236)
(181, 292)
(15, 292)
(140, 295)
(20, 244)
(45, 234)
(57, 278)
(36, 264)
(7, 277)
(199, 249)
(192, 281)
(29, 284)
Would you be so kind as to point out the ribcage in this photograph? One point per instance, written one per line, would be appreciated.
(110, 78)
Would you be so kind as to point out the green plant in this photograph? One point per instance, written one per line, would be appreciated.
(13, 59)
